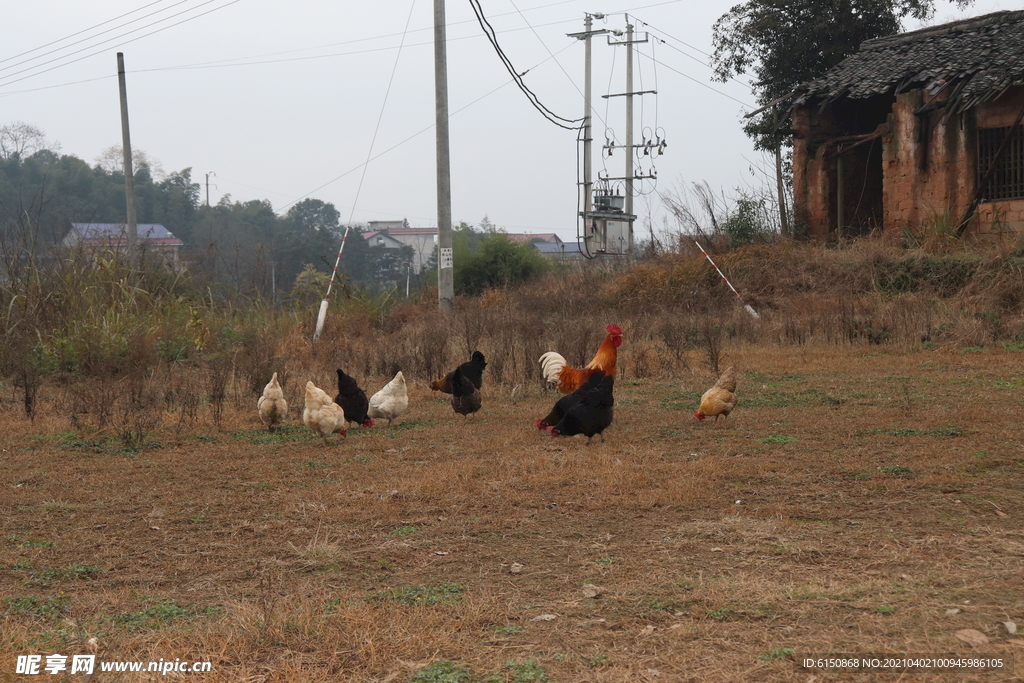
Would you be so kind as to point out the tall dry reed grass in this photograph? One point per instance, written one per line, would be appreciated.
(117, 340)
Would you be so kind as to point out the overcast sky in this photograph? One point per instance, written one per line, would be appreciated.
(282, 100)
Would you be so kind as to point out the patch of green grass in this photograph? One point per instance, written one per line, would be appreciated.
(163, 613)
(598, 661)
(50, 606)
(908, 431)
(778, 438)
(885, 609)
(105, 446)
(604, 561)
(283, 434)
(441, 671)
(777, 653)
(670, 606)
(30, 542)
(1014, 346)
(420, 595)
(682, 400)
(896, 471)
(395, 430)
(44, 577)
(973, 349)
(525, 672)
(404, 531)
(509, 630)
(720, 614)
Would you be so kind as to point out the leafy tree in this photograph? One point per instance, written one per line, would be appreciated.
(783, 43)
(748, 222)
(498, 262)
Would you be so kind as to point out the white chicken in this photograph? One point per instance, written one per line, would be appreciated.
(322, 414)
(272, 406)
(391, 401)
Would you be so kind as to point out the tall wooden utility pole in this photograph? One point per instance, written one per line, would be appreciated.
(132, 225)
(445, 265)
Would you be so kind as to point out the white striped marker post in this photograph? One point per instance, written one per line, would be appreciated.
(748, 307)
(327, 298)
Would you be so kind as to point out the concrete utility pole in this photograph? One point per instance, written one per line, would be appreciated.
(630, 148)
(630, 166)
(445, 265)
(589, 231)
(129, 175)
(588, 117)
(210, 173)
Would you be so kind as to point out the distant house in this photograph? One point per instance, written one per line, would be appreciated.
(113, 238)
(422, 240)
(916, 127)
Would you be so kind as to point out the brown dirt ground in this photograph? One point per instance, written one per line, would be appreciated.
(854, 499)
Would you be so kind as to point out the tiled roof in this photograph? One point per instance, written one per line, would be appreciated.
(411, 231)
(975, 60)
(558, 247)
(524, 237)
(149, 232)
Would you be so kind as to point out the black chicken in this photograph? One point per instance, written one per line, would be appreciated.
(568, 401)
(465, 396)
(591, 415)
(352, 400)
(473, 370)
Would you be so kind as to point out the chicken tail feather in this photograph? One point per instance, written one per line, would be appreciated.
(551, 364)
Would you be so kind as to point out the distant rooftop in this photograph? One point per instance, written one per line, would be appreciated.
(115, 232)
(558, 247)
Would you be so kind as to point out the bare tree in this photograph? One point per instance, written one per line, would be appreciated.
(697, 209)
(111, 160)
(19, 139)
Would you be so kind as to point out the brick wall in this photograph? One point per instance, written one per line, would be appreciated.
(929, 167)
(993, 217)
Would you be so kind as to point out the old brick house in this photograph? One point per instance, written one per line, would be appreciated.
(902, 133)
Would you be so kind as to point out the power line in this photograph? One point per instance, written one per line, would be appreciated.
(414, 135)
(159, 30)
(380, 117)
(518, 78)
(701, 83)
(84, 30)
(548, 49)
(692, 47)
(77, 42)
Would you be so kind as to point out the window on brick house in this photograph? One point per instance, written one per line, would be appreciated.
(1007, 181)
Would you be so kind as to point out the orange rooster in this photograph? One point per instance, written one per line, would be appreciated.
(556, 371)
(719, 399)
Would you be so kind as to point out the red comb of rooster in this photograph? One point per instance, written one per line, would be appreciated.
(614, 329)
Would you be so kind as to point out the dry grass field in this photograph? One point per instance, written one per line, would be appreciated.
(861, 499)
